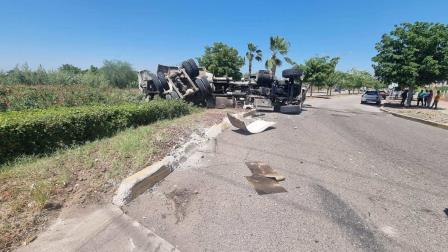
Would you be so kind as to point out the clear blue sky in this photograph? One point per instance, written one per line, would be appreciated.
(145, 33)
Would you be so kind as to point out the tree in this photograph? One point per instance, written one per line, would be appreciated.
(277, 45)
(118, 73)
(333, 79)
(222, 60)
(93, 69)
(318, 70)
(70, 69)
(413, 54)
(253, 51)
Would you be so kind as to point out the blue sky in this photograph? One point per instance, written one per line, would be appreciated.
(145, 33)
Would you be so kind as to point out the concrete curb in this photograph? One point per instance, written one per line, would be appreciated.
(138, 183)
(103, 229)
(415, 119)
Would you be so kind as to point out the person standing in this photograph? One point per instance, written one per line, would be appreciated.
(404, 95)
(436, 100)
(420, 97)
(425, 96)
(429, 98)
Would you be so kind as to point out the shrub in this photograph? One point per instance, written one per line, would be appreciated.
(41, 131)
(119, 73)
(20, 97)
(115, 73)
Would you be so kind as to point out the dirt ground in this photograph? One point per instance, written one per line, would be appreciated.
(33, 191)
(439, 115)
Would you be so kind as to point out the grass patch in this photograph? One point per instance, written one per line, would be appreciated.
(82, 174)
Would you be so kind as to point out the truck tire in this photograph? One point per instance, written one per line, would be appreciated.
(264, 78)
(157, 84)
(292, 73)
(191, 68)
(172, 96)
(207, 85)
(163, 80)
(202, 88)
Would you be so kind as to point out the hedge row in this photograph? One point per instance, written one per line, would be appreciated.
(40, 131)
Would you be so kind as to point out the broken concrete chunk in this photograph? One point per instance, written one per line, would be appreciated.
(263, 169)
(264, 178)
(264, 185)
(255, 127)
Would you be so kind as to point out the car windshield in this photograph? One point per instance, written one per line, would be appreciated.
(371, 93)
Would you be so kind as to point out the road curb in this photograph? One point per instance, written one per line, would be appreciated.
(415, 119)
(139, 182)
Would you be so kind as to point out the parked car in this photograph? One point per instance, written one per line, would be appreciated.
(383, 94)
(371, 97)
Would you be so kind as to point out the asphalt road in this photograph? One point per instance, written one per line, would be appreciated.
(358, 179)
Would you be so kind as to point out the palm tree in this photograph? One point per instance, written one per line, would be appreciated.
(278, 45)
(253, 51)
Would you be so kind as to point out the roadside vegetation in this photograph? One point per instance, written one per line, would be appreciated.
(68, 137)
(33, 187)
(113, 73)
(412, 55)
(23, 97)
(42, 131)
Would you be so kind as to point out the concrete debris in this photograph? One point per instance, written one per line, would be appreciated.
(263, 169)
(264, 178)
(258, 126)
(264, 185)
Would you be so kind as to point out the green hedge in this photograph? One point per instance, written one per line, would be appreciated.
(40, 131)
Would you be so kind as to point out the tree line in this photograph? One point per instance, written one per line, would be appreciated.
(113, 73)
(319, 72)
(413, 55)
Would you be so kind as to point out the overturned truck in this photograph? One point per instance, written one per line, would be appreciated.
(261, 91)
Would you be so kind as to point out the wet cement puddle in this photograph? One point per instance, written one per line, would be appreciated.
(181, 199)
(264, 179)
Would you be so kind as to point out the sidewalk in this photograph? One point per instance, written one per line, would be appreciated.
(103, 229)
(425, 115)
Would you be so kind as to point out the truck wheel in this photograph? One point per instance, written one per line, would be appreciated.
(292, 73)
(207, 85)
(163, 80)
(202, 88)
(157, 84)
(172, 96)
(264, 78)
(191, 68)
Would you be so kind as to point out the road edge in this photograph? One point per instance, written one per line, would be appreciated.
(136, 184)
(415, 119)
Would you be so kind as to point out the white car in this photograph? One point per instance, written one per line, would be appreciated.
(371, 97)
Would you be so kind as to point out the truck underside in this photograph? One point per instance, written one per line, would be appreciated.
(261, 91)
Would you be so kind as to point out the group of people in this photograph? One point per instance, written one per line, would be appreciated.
(425, 98)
